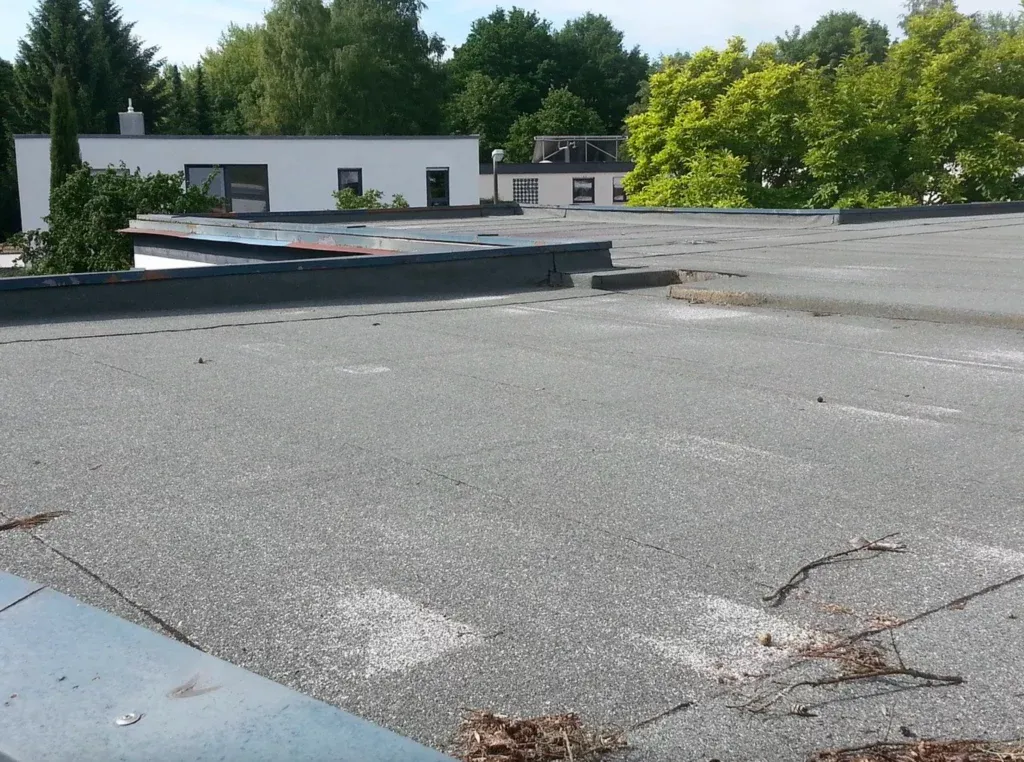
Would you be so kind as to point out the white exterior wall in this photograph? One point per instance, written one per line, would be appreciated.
(553, 189)
(302, 172)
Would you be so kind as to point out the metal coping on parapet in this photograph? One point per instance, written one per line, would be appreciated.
(26, 136)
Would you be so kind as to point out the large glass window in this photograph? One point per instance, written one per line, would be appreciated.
(244, 187)
(352, 179)
(583, 190)
(437, 187)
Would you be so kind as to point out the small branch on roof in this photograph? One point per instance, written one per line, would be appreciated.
(778, 596)
(31, 522)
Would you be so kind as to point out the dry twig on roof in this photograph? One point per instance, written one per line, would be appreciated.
(31, 522)
(927, 751)
(881, 545)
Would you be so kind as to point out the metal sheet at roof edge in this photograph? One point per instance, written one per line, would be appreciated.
(322, 263)
(86, 685)
(340, 249)
(246, 228)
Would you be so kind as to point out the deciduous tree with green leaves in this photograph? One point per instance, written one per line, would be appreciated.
(349, 67)
(598, 68)
(371, 198)
(835, 36)
(561, 113)
(88, 209)
(939, 120)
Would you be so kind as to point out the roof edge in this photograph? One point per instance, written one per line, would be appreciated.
(34, 136)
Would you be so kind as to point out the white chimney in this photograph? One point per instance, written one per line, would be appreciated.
(132, 122)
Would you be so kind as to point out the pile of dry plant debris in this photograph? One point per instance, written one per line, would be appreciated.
(830, 661)
(489, 737)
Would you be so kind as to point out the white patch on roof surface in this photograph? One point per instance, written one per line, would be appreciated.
(365, 370)
(397, 633)
(991, 557)
(718, 638)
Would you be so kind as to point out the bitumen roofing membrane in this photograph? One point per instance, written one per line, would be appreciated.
(569, 499)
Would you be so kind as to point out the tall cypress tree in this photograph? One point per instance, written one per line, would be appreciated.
(65, 156)
(9, 213)
(179, 118)
(55, 43)
(204, 120)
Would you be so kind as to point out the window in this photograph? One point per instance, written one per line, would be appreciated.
(437, 187)
(583, 190)
(525, 190)
(243, 187)
(618, 192)
(351, 178)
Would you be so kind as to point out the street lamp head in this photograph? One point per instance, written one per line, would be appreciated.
(497, 155)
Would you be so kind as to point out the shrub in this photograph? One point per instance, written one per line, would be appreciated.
(88, 209)
(346, 198)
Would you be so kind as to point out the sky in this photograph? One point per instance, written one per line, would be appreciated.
(183, 29)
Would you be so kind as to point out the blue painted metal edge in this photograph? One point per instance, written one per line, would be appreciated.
(640, 210)
(336, 228)
(324, 263)
(83, 684)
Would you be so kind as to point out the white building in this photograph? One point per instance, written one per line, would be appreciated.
(257, 173)
(556, 184)
(566, 170)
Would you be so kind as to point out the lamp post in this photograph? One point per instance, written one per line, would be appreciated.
(497, 155)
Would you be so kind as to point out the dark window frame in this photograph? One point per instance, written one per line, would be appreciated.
(226, 172)
(619, 195)
(593, 190)
(359, 182)
(448, 185)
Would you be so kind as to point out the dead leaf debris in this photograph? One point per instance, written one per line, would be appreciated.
(927, 751)
(489, 737)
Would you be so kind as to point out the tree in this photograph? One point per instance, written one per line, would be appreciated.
(835, 36)
(65, 156)
(179, 118)
(55, 44)
(120, 67)
(511, 54)
(102, 60)
(346, 198)
(912, 8)
(939, 120)
(88, 210)
(597, 67)
(486, 107)
(233, 79)
(9, 208)
(561, 113)
(203, 117)
(354, 67)
(738, 113)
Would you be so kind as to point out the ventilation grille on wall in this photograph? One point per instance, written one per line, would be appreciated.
(525, 190)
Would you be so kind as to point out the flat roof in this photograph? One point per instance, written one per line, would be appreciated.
(261, 137)
(569, 499)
